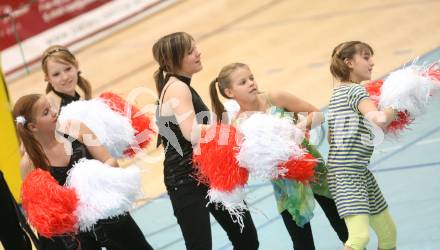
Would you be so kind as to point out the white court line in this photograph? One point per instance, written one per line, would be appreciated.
(422, 142)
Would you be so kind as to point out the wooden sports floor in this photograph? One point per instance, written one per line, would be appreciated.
(286, 43)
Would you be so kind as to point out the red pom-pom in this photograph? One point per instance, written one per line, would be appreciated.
(301, 170)
(215, 161)
(402, 122)
(403, 118)
(434, 72)
(50, 207)
(373, 88)
(139, 121)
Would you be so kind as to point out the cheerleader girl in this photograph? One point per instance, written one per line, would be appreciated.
(45, 147)
(295, 200)
(352, 115)
(181, 111)
(62, 74)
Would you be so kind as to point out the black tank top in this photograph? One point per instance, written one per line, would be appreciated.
(178, 167)
(79, 151)
(65, 98)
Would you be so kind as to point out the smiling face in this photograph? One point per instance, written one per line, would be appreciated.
(242, 86)
(62, 75)
(191, 62)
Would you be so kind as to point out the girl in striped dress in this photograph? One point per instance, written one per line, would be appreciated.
(353, 118)
(295, 200)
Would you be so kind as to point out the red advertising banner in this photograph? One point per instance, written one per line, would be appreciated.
(27, 18)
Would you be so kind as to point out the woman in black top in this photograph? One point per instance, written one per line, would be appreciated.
(180, 115)
(63, 77)
(45, 147)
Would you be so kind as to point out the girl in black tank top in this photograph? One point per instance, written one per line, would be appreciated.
(63, 77)
(178, 168)
(36, 124)
(178, 60)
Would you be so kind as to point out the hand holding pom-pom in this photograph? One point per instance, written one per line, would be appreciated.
(49, 206)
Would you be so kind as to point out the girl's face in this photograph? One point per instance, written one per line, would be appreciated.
(45, 117)
(243, 86)
(191, 63)
(62, 76)
(361, 66)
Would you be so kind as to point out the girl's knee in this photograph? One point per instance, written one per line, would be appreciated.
(358, 241)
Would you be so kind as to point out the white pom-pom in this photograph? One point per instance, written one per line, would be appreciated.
(268, 141)
(103, 191)
(113, 130)
(232, 201)
(232, 108)
(407, 89)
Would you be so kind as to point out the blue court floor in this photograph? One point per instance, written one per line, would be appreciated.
(408, 172)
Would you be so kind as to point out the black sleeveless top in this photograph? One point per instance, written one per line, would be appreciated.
(65, 98)
(178, 167)
(79, 151)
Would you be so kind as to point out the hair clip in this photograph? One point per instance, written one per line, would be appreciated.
(20, 120)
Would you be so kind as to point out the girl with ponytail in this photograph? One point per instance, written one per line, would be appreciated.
(352, 113)
(61, 72)
(180, 110)
(295, 200)
(45, 144)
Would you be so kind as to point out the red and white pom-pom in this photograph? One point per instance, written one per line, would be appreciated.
(232, 108)
(50, 207)
(408, 90)
(216, 166)
(113, 130)
(103, 191)
(267, 142)
(301, 169)
(140, 122)
(403, 118)
(232, 200)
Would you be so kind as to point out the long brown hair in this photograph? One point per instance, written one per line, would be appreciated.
(62, 55)
(346, 50)
(224, 81)
(169, 52)
(25, 108)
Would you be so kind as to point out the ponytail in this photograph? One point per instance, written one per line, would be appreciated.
(85, 86)
(23, 109)
(217, 105)
(159, 80)
(33, 148)
(49, 88)
(346, 50)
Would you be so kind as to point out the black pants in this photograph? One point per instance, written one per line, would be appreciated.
(118, 233)
(12, 236)
(189, 205)
(302, 237)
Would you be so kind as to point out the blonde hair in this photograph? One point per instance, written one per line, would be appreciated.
(62, 55)
(224, 81)
(169, 52)
(346, 50)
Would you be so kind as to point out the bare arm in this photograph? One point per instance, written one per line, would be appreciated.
(292, 103)
(88, 138)
(381, 118)
(178, 100)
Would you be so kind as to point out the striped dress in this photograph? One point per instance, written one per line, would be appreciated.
(352, 185)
